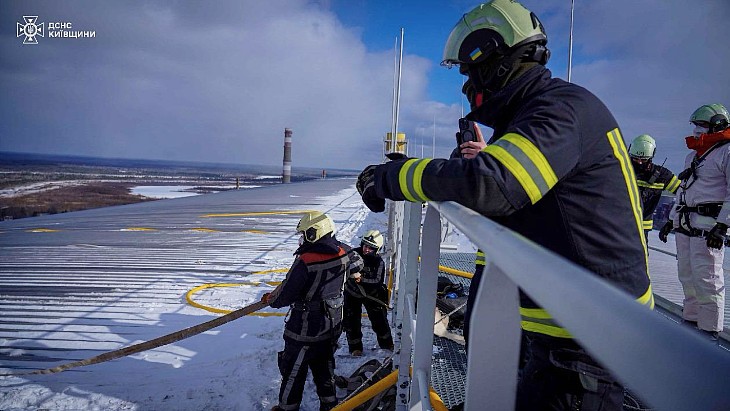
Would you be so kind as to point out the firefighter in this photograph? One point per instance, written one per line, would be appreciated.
(652, 179)
(313, 289)
(700, 219)
(555, 170)
(367, 288)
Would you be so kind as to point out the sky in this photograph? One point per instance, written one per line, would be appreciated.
(219, 81)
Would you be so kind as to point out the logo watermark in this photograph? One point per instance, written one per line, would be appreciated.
(31, 29)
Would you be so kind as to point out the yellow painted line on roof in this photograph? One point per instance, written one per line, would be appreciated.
(41, 230)
(276, 270)
(256, 213)
(189, 298)
(205, 230)
(255, 231)
(139, 229)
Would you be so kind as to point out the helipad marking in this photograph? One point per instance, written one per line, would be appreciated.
(189, 298)
(205, 230)
(139, 229)
(257, 213)
(41, 230)
(255, 231)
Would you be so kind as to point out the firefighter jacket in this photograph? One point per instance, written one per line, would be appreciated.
(313, 290)
(703, 198)
(371, 279)
(556, 170)
(652, 181)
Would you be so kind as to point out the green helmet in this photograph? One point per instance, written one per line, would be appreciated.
(497, 26)
(713, 116)
(372, 239)
(315, 225)
(643, 147)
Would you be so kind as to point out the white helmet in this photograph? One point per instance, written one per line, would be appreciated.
(372, 239)
(315, 225)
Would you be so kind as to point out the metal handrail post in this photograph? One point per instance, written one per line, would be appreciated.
(427, 281)
(407, 290)
(491, 379)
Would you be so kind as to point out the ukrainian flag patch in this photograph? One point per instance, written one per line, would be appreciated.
(475, 54)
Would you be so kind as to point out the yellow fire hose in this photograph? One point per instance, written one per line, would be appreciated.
(381, 386)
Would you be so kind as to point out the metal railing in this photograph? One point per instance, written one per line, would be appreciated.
(667, 366)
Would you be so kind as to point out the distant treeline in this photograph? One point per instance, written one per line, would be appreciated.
(65, 199)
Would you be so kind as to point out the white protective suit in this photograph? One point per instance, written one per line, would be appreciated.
(700, 269)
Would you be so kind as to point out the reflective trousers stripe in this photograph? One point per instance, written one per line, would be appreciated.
(540, 321)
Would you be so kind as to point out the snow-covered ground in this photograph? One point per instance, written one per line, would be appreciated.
(232, 367)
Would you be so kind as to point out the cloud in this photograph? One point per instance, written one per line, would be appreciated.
(653, 63)
(208, 82)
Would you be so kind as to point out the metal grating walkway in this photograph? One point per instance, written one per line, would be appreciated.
(448, 370)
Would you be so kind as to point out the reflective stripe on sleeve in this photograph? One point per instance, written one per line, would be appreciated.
(410, 179)
(648, 224)
(656, 186)
(525, 161)
(673, 185)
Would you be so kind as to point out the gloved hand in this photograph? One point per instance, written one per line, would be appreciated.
(665, 230)
(397, 156)
(366, 187)
(266, 298)
(716, 237)
(357, 277)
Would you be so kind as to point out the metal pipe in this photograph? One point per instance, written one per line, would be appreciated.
(570, 40)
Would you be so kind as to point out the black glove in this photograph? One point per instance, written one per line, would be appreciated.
(397, 156)
(716, 237)
(685, 174)
(366, 187)
(666, 229)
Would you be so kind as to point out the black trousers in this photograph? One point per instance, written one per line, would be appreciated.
(560, 375)
(294, 363)
(378, 315)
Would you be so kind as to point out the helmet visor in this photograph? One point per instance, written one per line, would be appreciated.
(454, 42)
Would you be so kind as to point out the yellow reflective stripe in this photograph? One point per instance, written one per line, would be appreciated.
(656, 186)
(545, 329)
(480, 258)
(673, 184)
(648, 224)
(647, 298)
(418, 178)
(619, 150)
(516, 169)
(534, 154)
(540, 321)
(403, 179)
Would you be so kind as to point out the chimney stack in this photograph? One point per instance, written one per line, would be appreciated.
(286, 174)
